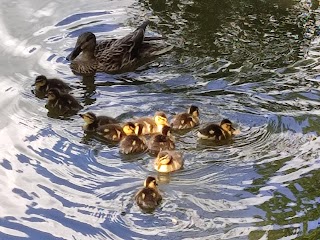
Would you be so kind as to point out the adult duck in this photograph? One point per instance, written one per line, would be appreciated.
(115, 55)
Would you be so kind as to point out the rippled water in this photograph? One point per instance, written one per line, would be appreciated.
(254, 62)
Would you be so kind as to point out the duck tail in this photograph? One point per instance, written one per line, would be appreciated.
(162, 51)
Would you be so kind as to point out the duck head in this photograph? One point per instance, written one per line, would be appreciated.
(150, 182)
(53, 94)
(89, 117)
(86, 43)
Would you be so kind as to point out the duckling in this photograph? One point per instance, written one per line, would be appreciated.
(62, 102)
(161, 141)
(116, 132)
(132, 144)
(149, 197)
(43, 84)
(168, 161)
(186, 120)
(218, 132)
(92, 121)
(115, 55)
(152, 125)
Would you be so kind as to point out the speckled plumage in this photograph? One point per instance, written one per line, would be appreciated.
(115, 55)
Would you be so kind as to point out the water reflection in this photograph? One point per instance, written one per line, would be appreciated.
(255, 62)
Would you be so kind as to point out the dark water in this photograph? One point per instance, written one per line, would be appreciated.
(255, 62)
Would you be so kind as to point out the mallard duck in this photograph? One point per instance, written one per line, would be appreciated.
(92, 121)
(115, 55)
(161, 141)
(186, 120)
(168, 161)
(218, 132)
(148, 125)
(149, 197)
(61, 102)
(116, 132)
(132, 144)
(43, 84)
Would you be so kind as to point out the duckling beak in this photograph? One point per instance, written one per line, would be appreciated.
(75, 52)
(33, 85)
(236, 132)
(81, 115)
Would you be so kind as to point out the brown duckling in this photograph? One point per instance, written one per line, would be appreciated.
(186, 120)
(43, 84)
(149, 197)
(62, 102)
(168, 161)
(92, 121)
(161, 141)
(132, 144)
(150, 125)
(218, 132)
(116, 132)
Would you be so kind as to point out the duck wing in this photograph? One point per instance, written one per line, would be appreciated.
(118, 54)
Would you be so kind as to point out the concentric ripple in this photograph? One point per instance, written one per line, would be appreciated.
(253, 62)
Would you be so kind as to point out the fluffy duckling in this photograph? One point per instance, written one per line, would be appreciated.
(149, 197)
(92, 121)
(168, 161)
(133, 144)
(186, 120)
(43, 84)
(62, 102)
(116, 132)
(161, 141)
(218, 132)
(150, 125)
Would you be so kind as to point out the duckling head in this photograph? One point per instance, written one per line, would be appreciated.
(226, 125)
(129, 128)
(166, 131)
(138, 129)
(89, 117)
(161, 119)
(194, 111)
(86, 43)
(150, 182)
(53, 94)
(40, 81)
(163, 158)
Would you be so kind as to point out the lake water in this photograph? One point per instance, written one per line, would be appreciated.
(255, 62)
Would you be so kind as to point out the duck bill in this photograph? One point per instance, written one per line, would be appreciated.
(76, 51)
(236, 132)
(81, 115)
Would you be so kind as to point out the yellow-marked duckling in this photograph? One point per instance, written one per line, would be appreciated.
(115, 55)
(92, 121)
(161, 141)
(43, 84)
(62, 102)
(116, 132)
(186, 120)
(133, 144)
(149, 197)
(168, 161)
(218, 132)
(150, 125)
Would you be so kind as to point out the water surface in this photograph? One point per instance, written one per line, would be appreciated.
(254, 62)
